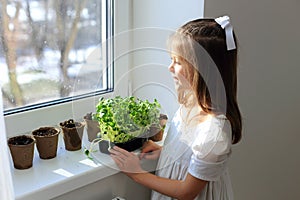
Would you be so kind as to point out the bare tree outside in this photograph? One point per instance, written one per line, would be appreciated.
(9, 28)
(37, 39)
(66, 40)
(43, 44)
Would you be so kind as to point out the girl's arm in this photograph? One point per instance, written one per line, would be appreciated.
(185, 189)
(128, 162)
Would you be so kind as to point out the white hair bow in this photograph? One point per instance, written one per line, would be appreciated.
(225, 24)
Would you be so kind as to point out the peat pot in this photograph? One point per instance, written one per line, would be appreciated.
(22, 150)
(46, 141)
(72, 134)
(92, 127)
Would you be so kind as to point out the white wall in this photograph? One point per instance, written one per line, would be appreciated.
(266, 163)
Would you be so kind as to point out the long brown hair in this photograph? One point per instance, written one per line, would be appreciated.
(213, 72)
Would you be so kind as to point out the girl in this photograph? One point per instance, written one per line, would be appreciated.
(193, 160)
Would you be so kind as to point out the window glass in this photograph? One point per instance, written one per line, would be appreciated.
(52, 51)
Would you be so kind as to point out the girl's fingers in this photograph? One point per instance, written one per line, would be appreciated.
(150, 146)
(123, 151)
(129, 163)
(146, 149)
(117, 154)
(117, 161)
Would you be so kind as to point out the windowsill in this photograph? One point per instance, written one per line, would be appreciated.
(69, 170)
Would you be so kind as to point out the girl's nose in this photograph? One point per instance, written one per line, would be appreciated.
(171, 68)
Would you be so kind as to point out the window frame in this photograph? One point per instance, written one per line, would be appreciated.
(25, 119)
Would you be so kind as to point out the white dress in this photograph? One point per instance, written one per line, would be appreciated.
(202, 150)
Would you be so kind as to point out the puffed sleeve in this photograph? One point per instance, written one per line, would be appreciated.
(211, 150)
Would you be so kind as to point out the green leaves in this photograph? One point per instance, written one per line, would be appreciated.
(121, 119)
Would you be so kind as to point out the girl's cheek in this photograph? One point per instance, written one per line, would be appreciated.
(180, 71)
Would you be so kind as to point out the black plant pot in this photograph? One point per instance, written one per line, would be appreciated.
(131, 145)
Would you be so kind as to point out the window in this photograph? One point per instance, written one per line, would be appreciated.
(54, 51)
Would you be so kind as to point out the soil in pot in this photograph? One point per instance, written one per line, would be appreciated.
(131, 145)
(46, 141)
(92, 127)
(22, 151)
(72, 134)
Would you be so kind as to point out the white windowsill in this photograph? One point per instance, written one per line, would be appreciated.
(68, 171)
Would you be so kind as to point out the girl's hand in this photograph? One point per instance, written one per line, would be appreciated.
(150, 150)
(128, 162)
